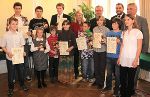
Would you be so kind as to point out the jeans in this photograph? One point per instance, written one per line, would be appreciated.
(88, 68)
(11, 71)
(111, 67)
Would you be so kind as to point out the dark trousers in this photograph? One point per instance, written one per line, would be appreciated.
(127, 81)
(111, 67)
(53, 68)
(99, 67)
(76, 62)
(11, 71)
(27, 60)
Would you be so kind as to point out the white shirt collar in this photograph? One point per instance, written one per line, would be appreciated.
(60, 15)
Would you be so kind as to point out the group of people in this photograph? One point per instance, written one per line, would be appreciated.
(129, 30)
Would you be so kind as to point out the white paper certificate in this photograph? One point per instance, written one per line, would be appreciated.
(97, 40)
(81, 43)
(60, 21)
(17, 55)
(111, 45)
(23, 30)
(63, 46)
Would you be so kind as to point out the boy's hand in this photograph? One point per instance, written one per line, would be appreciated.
(28, 33)
(118, 40)
(10, 55)
(135, 63)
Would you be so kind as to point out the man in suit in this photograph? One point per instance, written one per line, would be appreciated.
(56, 20)
(98, 13)
(119, 13)
(143, 26)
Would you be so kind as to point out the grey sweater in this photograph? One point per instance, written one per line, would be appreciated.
(103, 30)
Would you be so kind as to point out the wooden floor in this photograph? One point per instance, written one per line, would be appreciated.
(80, 89)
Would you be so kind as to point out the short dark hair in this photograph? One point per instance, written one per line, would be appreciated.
(120, 4)
(60, 4)
(66, 22)
(39, 7)
(12, 19)
(118, 21)
(88, 23)
(53, 28)
(17, 4)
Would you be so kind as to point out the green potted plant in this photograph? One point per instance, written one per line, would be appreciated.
(87, 11)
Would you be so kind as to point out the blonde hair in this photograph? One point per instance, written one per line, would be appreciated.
(79, 12)
(103, 18)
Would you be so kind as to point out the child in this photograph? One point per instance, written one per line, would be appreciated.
(66, 68)
(53, 54)
(112, 58)
(87, 54)
(40, 48)
(100, 53)
(13, 39)
(129, 55)
(39, 21)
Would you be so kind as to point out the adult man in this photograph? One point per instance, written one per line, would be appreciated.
(58, 18)
(143, 26)
(119, 11)
(22, 21)
(98, 13)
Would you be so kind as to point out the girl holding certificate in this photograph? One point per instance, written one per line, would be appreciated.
(40, 49)
(129, 55)
(100, 51)
(66, 68)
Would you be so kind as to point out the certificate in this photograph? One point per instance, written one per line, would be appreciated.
(111, 45)
(81, 43)
(97, 40)
(23, 30)
(63, 46)
(17, 55)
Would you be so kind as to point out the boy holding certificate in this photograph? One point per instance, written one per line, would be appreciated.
(99, 46)
(11, 40)
(112, 56)
(87, 54)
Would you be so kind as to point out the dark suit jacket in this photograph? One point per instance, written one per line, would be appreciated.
(93, 23)
(54, 19)
(143, 26)
(122, 18)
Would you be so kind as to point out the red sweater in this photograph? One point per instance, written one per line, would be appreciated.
(52, 40)
(76, 27)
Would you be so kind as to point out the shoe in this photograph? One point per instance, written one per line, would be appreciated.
(44, 84)
(106, 89)
(28, 78)
(10, 93)
(92, 80)
(39, 85)
(100, 87)
(94, 84)
(25, 88)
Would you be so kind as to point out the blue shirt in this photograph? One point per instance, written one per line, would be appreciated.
(118, 35)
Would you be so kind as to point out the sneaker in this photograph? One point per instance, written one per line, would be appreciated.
(28, 78)
(92, 80)
(25, 88)
(10, 93)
